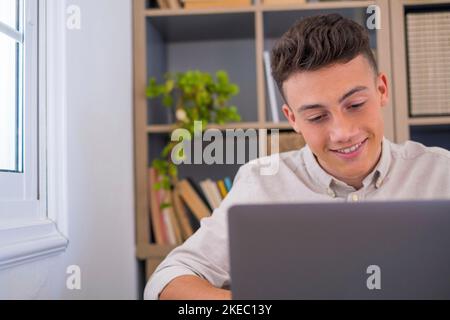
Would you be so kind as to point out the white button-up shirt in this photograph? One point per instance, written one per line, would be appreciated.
(408, 171)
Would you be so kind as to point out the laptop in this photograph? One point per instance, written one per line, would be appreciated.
(368, 250)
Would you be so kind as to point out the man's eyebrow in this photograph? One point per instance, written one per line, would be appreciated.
(309, 107)
(352, 91)
(345, 96)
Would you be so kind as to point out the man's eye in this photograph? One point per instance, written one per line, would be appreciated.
(356, 106)
(317, 119)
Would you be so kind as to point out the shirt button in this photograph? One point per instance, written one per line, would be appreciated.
(331, 193)
(379, 182)
(355, 197)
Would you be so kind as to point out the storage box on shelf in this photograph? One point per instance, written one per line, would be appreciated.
(419, 98)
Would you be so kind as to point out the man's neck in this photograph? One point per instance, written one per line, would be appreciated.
(356, 183)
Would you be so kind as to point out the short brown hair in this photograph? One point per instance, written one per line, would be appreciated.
(316, 42)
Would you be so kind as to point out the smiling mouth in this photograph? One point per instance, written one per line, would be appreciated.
(350, 149)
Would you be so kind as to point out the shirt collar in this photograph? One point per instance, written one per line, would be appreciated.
(325, 180)
(383, 165)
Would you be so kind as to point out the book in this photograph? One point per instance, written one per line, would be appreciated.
(207, 191)
(215, 191)
(155, 211)
(169, 227)
(193, 221)
(173, 221)
(199, 191)
(281, 2)
(193, 200)
(182, 216)
(206, 4)
(222, 189)
(163, 4)
(166, 227)
(228, 183)
(271, 88)
(173, 4)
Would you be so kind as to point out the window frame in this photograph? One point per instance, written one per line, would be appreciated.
(15, 34)
(35, 226)
(20, 184)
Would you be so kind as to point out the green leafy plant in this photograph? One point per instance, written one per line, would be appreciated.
(194, 96)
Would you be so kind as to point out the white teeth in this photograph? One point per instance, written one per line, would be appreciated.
(351, 149)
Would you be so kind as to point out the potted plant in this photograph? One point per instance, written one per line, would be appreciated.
(194, 96)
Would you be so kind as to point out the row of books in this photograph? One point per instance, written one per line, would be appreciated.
(201, 4)
(175, 214)
(209, 4)
(169, 4)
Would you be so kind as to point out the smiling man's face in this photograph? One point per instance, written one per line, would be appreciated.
(338, 110)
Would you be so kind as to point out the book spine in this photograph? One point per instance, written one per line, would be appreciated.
(222, 189)
(208, 4)
(160, 194)
(271, 88)
(155, 212)
(175, 223)
(215, 192)
(169, 228)
(163, 4)
(205, 188)
(228, 183)
(180, 212)
(173, 4)
(193, 200)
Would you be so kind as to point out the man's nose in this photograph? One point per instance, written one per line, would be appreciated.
(342, 129)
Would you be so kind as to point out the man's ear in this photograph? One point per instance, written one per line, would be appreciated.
(382, 87)
(290, 116)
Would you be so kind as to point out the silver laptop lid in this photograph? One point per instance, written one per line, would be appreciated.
(371, 250)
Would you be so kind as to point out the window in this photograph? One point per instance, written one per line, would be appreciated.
(27, 138)
(11, 80)
(18, 107)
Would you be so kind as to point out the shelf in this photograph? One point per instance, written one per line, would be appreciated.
(260, 8)
(183, 12)
(429, 121)
(280, 125)
(167, 128)
(328, 5)
(200, 26)
(278, 20)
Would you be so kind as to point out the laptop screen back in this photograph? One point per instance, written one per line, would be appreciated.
(372, 250)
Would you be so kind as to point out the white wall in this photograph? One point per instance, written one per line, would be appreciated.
(100, 165)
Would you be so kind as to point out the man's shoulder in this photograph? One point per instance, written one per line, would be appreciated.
(411, 151)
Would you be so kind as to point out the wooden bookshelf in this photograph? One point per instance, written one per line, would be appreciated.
(159, 37)
(167, 128)
(429, 121)
(262, 7)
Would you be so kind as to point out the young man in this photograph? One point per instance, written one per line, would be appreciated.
(334, 97)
